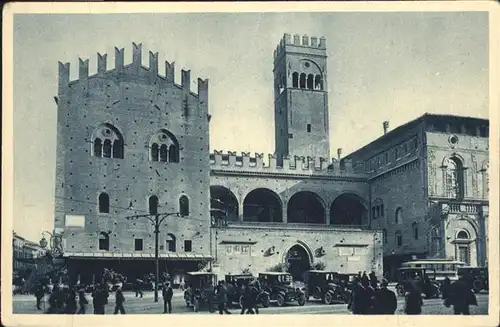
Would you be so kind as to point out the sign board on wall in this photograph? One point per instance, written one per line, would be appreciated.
(75, 221)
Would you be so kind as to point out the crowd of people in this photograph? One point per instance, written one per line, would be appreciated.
(369, 296)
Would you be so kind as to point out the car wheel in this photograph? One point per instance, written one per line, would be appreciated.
(280, 300)
(241, 302)
(328, 298)
(265, 301)
(302, 300)
(477, 285)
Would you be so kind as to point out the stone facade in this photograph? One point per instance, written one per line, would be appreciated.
(132, 142)
(428, 182)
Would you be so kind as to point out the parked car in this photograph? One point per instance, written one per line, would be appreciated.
(326, 286)
(277, 286)
(424, 279)
(476, 276)
(200, 290)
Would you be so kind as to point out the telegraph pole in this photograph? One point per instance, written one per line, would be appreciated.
(156, 219)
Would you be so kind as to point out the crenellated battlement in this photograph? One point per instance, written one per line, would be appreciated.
(300, 41)
(136, 68)
(232, 161)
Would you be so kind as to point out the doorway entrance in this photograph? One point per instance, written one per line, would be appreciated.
(298, 262)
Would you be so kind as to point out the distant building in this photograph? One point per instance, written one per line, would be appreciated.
(24, 253)
(130, 141)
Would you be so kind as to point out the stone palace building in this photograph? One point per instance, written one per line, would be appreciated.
(131, 141)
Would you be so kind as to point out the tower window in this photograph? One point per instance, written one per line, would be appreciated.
(104, 241)
(310, 81)
(103, 203)
(188, 246)
(138, 244)
(171, 243)
(290, 136)
(295, 79)
(309, 128)
(302, 81)
(153, 205)
(184, 206)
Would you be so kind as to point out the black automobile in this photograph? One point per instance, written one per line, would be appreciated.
(278, 287)
(200, 291)
(423, 278)
(326, 286)
(235, 286)
(477, 277)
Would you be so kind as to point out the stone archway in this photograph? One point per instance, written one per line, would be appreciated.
(349, 209)
(298, 261)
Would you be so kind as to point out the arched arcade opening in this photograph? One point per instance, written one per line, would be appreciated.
(223, 203)
(306, 207)
(262, 205)
(348, 209)
(298, 262)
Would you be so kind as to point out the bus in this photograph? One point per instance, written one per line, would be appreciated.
(443, 268)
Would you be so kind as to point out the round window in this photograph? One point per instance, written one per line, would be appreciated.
(106, 132)
(453, 139)
(307, 64)
(163, 137)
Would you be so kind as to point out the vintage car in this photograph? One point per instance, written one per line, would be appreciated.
(327, 286)
(424, 279)
(277, 286)
(200, 290)
(235, 286)
(477, 277)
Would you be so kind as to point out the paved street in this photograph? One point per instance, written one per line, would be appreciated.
(24, 304)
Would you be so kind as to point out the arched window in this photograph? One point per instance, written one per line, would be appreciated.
(104, 241)
(97, 147)
(164, 153)
(106, 149)
(103, 203)
(384, 235)
(164, 147)
(108, 142)
(184, 206)
(173, 153)
(399, 216)
(153, 205)
(118, 149)
(463, 235)
(414, 227)
(302, 81)
(318, 83)
(399, 238)
(154, 152)
(295, 79)
(453, 178)
(171, 243)
(310, 81)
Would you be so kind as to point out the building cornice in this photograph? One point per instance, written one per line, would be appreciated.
(221, 172)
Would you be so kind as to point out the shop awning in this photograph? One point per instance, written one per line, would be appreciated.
(136, 256)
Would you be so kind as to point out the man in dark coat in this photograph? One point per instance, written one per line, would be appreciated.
(120, 299)
(39, 294)
(413, 299)
(461, 297)
(82, 301)
(361, 297)
(248, 301)
(100, 299)
(168, 293)
(385, 301)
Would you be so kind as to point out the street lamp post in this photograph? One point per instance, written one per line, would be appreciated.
(156, 220)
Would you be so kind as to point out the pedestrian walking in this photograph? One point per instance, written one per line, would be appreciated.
(445, 288)
(360, 302)
(461, 297)
(168, 293)
(39, 295)
(70, 307)
(138, 287)
(82, 301)
(385, 301)
(119, 300)
(413, 299)
(100, 299)
(247, 305)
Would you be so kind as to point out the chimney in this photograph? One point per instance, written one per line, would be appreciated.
(386, 126)
(339, 152)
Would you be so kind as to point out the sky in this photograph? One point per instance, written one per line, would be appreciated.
(381, 66)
